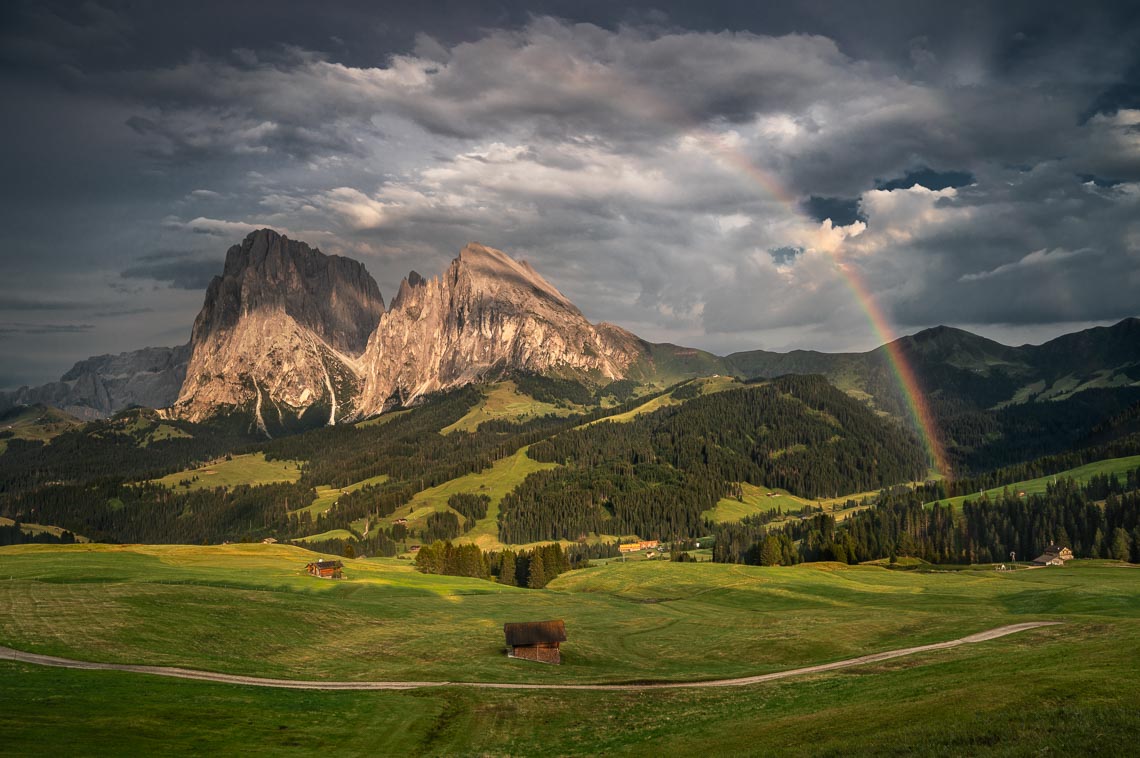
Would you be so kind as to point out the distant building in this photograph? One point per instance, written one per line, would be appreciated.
(326, 569)
(269, 541)
(633, 547)
(536, 640)
(1054, 555)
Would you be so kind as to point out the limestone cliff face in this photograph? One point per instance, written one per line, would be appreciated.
(295, 337)
(487, 315)
(280, 334)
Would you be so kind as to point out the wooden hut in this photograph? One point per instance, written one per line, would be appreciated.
(326, 569)
(536, 640)
(1054, 555)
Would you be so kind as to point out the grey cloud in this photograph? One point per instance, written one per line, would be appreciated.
(661, 171)
(15, 327)
(177, 270)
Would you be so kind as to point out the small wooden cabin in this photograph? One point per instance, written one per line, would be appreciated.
(326, 569)
(1054, 555)
(536, 640)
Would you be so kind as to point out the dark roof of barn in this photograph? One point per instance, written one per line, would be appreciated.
(535, 632)
(327, 564)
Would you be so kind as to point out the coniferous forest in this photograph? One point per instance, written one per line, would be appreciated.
(653, 474)
(1100, 519)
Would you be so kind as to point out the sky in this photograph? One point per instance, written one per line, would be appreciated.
(708, 173)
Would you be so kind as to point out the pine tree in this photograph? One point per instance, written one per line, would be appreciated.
(1121, 545)
(507, 569)
(536, 579)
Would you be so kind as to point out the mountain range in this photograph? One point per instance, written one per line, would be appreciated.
(292, 338)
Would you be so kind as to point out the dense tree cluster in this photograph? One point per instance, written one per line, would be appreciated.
(68, 485)
(442, 557)
(533, 568)
(981, 440)
(14, 534)
(655, 474)
(554, 390)
(471, 506)
(123, 445)
(983, 531)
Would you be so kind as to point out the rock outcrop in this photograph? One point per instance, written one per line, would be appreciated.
(280, 335)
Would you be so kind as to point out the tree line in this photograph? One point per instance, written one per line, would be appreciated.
(984, 530)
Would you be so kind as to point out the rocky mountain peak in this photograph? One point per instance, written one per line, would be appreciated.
(279, 334)
(334, 297)
(493, 272)
(405, 294)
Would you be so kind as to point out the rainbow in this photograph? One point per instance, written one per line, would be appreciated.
(904, 373)
(639, 102)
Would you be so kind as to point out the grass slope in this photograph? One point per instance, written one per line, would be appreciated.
(506, 474)
(707, 386)
(40, 529)
(327, 496)
(249, 469)
(35, 422)
(249, 609)
(1081, 474)
(504, 401)
(173, 605)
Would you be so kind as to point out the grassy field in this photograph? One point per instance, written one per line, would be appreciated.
(241, 469)
(756, 500)
(707, 385)
(332, 534)
(36, 422)
(495, 482)
(250, 609)
(165, 432)
(327, 496)
(40, 529)
(1037, 486)
(504, 401)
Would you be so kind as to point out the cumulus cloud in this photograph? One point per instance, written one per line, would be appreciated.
(728, 189)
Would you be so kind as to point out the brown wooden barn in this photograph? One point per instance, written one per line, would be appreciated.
(536, 640)
(326, 569)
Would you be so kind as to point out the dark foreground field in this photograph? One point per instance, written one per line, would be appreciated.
(1070, 688)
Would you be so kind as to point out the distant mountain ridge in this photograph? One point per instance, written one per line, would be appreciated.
(293, 338)
(100, 386)
(956, 366)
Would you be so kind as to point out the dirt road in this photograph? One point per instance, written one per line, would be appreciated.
(254, 681)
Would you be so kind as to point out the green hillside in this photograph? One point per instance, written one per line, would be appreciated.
(251, 469)
(40, 423)
(1080, 474)
(637, 621)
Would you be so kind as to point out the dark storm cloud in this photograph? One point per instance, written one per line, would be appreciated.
(701, 173)
(929, 178)
(841, 210)
(179, 270)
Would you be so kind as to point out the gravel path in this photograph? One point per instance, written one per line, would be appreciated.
(291, 684)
